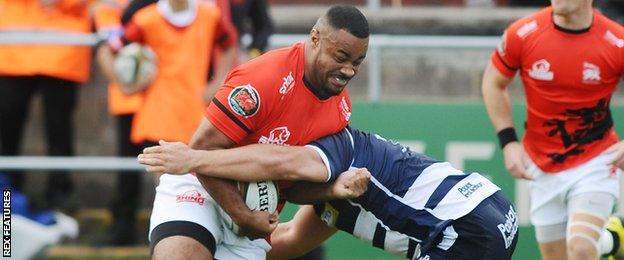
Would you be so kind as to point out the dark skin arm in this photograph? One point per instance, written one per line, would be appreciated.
(257, 224)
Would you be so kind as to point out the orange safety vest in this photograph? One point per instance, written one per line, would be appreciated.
(173, 104)
(107, 16)
(65, 61)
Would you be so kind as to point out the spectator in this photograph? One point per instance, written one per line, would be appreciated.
(54, 71)
(107, 18)
(252, 16)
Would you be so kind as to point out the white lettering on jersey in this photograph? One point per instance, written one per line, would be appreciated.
(344, 108)
(541, 70)
(527, 29)
(611, 38)
(278, 135)
(509, 228)
(288, 84)
(591, 73)
(502, 45)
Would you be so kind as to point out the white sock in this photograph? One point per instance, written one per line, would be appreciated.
(606, 242)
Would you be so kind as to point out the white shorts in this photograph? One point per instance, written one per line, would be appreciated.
(183, 207)
(550, 192)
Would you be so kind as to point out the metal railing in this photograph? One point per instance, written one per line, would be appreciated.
(374, 57)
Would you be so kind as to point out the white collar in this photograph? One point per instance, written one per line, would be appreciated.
(181, 18)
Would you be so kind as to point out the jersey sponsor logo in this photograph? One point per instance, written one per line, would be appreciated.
(469, 189)
(502, 45)
(191, 196)
(591, 73)
(425, 257)
(611, 38)
(509, 228)
(541, 70)
(527, 29)
(329, 215)
(244, 100)
(288, 84)
(277, 136)
(345, 109)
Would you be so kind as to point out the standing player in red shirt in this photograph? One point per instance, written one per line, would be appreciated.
(289, 96)
(570, 59)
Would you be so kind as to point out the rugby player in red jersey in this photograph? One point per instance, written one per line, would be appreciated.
(288, 96)
(570, 59)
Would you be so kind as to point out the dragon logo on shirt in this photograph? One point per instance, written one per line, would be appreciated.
(277, 136)
(244, 100)
(594, 123)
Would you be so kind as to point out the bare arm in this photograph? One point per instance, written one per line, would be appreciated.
(225, 192)
(105, 59)
(256, 162)
(498, 106)
(349, 185)
(299, 235)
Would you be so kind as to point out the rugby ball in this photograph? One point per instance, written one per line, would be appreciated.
(259, 196)
(135, 67)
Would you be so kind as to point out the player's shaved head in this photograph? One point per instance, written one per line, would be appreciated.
(344, 17)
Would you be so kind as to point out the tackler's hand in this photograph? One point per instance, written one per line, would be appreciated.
(172, 158)
(351, 184)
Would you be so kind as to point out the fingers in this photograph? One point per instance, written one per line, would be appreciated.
(155, 169)
(147, 159)
(153, 149)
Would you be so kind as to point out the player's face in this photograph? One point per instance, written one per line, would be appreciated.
(566, 7)
(339, 58)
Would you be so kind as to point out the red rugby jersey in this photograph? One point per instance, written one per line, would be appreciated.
(569, 77)
(266, 101)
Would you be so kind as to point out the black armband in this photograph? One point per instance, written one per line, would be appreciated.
(506, 136)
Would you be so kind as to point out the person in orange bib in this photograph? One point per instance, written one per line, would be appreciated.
(107, 18)
(288, 96)
(570, 59)
(54, 66)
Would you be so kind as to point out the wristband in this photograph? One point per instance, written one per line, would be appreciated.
(507, 136)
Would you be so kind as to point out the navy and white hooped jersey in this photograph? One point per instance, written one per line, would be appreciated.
(410, 200)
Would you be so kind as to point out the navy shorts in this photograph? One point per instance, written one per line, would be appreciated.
(490, 231)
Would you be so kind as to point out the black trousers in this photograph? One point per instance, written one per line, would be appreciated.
(59, 102)
(128, 182)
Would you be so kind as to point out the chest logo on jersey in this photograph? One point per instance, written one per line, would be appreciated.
(244, 100)
(345, 109)
(541, 70)
(288, 84)
(277, 136)
(591, 73)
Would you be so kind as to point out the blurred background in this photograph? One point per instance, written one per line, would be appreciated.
(420, 84)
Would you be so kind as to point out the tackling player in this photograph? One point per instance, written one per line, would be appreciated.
(288, 96)
(570, 59)
(415, 206)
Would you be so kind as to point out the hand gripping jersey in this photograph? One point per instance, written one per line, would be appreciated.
(569, 77)
(411, 197)
(266, 101)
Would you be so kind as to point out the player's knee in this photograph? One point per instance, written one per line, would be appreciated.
(582, 248)
(180, 247)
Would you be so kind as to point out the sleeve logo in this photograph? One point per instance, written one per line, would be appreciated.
(244, 100)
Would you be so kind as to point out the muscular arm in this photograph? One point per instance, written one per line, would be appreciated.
(498, 106)
(496, 97)
(250, 163)
(299, 235)
(224, 192)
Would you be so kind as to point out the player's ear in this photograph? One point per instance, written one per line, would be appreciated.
(315, 37)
